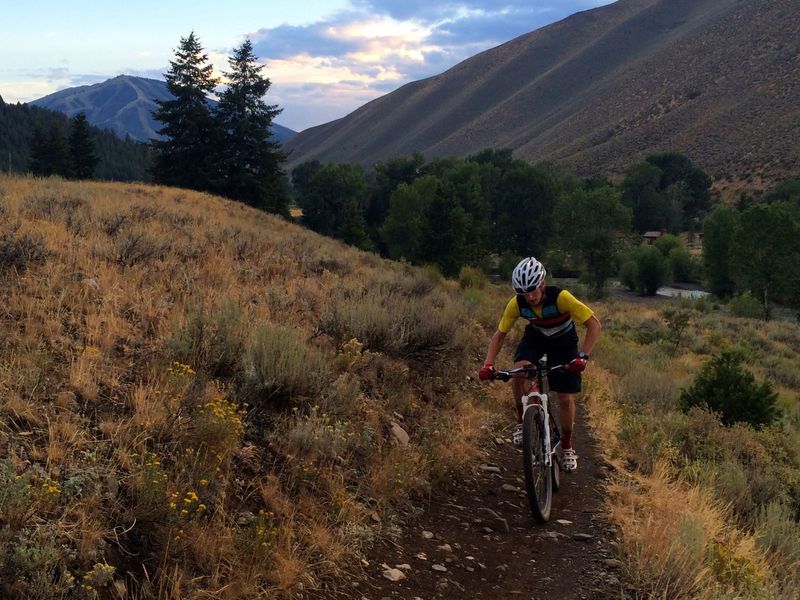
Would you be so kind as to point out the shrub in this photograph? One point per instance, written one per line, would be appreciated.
(667, 243)
(51, 206)
(432, 272)
(471, 278)
(428, 330)
(278, 366)
(132, 247)
(628, 275)
(745, 305)
(19, 252)
(677, 321)
(650, 331)
(725, 387)
(682, 265)
(780, 532)
(213, 343)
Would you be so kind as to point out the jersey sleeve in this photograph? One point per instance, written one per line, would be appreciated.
(510, 316)
(579, 312)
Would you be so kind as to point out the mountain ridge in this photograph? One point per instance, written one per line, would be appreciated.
(600, 90)
(123, 104)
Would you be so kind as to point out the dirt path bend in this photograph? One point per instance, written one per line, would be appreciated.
(480, 540)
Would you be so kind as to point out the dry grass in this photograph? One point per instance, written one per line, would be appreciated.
(704, 511)
(177, 404)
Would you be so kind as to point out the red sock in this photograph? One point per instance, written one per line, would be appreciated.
(566, 440)
(519, 413)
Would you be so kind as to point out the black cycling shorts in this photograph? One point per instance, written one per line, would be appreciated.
(559, 350)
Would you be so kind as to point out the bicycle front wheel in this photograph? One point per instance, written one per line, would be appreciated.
(538, 477)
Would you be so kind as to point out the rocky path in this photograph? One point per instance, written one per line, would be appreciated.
(481, 542)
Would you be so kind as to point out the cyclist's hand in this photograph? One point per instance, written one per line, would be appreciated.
(576, 365)
(486, 373)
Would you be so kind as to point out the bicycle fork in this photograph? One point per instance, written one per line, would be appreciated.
(540, 405)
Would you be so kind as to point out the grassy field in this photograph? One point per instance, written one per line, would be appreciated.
(201, 400)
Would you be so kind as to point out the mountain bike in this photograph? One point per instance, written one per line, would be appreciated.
(541, 438)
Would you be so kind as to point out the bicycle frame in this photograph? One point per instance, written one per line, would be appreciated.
(541, 404)
(538, 391)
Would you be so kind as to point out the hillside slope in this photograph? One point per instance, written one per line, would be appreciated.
(198, 396)
(716, 79)
(123, 104)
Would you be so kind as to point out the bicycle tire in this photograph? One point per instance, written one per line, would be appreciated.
(538, 477)
(556, 464)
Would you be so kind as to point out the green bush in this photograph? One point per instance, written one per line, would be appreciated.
(667, 243)
(682, 265)
(725, 387)
(472, 278)
(628, 275)
(650, 331)
(745, 305)
(652, 270)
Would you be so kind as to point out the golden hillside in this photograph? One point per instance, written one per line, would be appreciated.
(199, 398)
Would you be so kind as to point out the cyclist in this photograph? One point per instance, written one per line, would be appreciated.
(551, 313)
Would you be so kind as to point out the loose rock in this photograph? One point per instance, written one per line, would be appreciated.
(394, 574)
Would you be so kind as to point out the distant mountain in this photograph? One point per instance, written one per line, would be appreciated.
(715, 79)
(123, 104)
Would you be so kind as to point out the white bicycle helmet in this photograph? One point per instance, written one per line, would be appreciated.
(527, 275)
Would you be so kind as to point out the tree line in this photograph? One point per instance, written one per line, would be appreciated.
(44, 142)
(490, 209)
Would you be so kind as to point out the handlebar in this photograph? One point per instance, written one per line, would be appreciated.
(524, 372)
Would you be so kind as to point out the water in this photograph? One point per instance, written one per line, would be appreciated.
(671, 292)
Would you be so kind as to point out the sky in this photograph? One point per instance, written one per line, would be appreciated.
(325, 58)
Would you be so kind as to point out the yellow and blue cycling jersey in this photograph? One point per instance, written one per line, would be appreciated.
(555, 315)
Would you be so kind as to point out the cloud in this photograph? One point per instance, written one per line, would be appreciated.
(338, 63)
(321, 39)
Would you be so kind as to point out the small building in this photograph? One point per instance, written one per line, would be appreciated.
(652, 236)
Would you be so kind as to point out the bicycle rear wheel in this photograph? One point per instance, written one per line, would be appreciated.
(538, 477)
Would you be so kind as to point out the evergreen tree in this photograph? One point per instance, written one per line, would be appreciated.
(187, 158)
(81, 148)
(49, 153)
(730, 390)
(251, 161)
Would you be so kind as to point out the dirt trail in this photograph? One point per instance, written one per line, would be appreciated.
(485, 538)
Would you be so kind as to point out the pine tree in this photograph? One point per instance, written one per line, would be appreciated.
(49, 154)
(82, 152)
(251, 161)
(187, 157)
